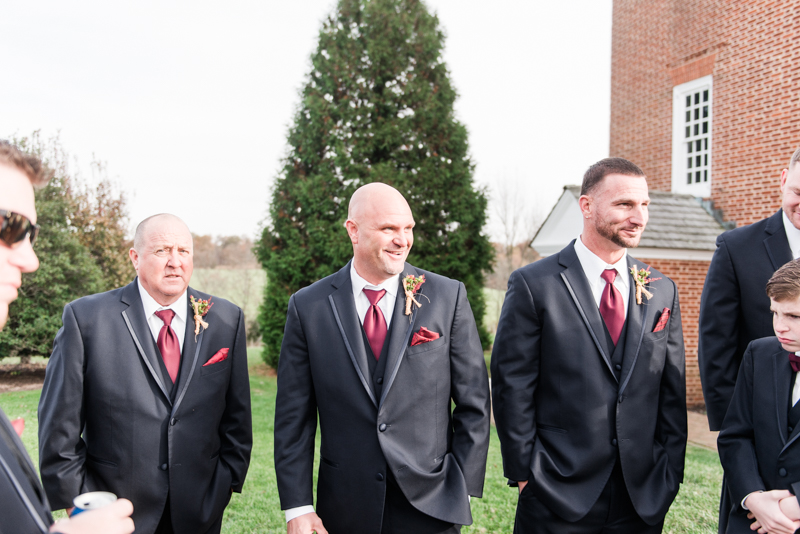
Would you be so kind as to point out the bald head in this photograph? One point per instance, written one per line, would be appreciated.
(154, 222)
(380, 226)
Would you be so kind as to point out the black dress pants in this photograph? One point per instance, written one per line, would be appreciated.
(613, 513)
(400, 517)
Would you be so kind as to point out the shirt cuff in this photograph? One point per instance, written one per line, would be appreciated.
(746, 496)
(291, 513)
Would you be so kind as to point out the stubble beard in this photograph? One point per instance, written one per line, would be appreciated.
(608, 232)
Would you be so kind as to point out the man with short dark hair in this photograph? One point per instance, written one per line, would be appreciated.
(733, 307)
(758, 443)
(588, 374)
(25, 509)
(147, 393)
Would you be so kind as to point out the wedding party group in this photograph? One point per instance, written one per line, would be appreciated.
(146, 393)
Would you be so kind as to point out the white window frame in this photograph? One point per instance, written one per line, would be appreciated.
(680, 145)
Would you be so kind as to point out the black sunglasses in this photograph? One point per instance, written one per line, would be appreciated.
(16, 227)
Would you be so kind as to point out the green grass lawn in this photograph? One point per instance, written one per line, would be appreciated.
(257, 509)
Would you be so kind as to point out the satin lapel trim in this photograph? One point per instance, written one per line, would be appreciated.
(344, 311)
(575, 280)
(777, 244)
(148, 358)
(780, 368)
(399, 331)
(186, 378)
(636, 325)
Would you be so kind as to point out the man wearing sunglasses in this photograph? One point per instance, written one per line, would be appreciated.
(24, 506)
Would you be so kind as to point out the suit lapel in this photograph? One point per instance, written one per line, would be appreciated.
(578, 287)
(776, 242)
(399, 331)
(781, 369)
(142, 337)
(636, 325)
(344, 312)
(191, 351)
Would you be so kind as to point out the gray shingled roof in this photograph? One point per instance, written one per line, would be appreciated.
(676, 221)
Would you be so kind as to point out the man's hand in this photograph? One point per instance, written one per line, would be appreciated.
(522, 484)
(791, 508)
(112, 519)
(769, 518)
(306, 524)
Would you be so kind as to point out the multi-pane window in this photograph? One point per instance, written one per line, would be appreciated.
(691, 148)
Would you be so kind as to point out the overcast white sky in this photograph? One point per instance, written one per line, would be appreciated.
(189, 102)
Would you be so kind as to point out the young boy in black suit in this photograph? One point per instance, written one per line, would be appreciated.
(758, 443)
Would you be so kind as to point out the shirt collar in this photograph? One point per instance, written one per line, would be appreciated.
(593, 266)
(792, 235)
(391, 285)
(180, 306)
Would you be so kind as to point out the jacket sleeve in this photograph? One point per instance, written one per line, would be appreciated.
(720, 310)
(62, 451)
(671, 430)
(736, 440)
(469, 389)
(295, 416)
(515, 372)
(236, 425)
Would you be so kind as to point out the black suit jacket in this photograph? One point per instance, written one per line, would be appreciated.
(107, 421)
(757, 450)
(24, 505)
(562, 414)
(436, 457)
(734, 307)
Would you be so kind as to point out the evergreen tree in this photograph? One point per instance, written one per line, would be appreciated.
(378, 106)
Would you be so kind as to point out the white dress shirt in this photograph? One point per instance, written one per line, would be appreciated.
(793, 235)
(386, 304)
(180, 307)
(593, 267)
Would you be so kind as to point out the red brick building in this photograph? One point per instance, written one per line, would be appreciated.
(704, 98)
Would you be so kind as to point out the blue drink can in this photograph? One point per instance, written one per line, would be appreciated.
(92, 501)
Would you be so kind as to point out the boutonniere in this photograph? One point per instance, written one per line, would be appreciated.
(411, 285)
(200, 308)
(642, 278)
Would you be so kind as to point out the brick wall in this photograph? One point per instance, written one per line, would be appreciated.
(689, 277)
(751, 49)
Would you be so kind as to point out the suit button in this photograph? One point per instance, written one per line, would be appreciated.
(164, 467)
(782, 472)
(379, 477)
(379, 380)
(382, 428)
(614, 442)
(618, 367)
(172, 421)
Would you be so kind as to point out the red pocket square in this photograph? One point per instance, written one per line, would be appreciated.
(423, 336)
(221, 355)
(662, 321)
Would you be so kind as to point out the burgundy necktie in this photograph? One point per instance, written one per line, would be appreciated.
(794, 360)
(611, 307)
(374, 322)
(168, 344)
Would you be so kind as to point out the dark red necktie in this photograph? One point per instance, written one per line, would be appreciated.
(611, 307)
(168, 344)
(794, 360)
(374, 322)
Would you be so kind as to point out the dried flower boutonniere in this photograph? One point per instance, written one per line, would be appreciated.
(411, 285)
(200, 308)
(642, 278)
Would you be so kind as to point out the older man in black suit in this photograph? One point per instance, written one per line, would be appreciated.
(147, 393)
(734, 310)
(25, 509)
(381, 371)
(588, 374)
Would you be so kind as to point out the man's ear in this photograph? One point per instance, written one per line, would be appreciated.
(352, 230)
(585, 203)
(134, 256)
